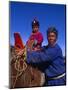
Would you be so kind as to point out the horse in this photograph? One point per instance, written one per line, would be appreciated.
(21, 74)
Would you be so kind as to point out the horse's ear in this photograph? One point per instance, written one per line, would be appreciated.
(18, 41)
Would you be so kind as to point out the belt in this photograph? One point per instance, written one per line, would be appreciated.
(57, 77)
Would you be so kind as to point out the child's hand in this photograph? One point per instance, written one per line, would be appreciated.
(35, 42)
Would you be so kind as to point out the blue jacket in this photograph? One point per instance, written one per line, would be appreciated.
(51, 58)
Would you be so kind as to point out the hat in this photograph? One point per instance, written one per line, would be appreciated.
(52, 29)
(35, 23)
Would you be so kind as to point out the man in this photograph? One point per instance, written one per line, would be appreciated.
(51, 58)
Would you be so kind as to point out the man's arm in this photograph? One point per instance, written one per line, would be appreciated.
(38, 57)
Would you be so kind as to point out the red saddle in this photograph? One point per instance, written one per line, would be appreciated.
(18, 41)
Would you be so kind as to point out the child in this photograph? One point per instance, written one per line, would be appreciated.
(35, 40)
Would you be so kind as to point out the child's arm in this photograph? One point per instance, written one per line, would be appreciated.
(40, 38)
(38, 42)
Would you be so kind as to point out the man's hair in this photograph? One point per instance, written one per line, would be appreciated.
(52, 29)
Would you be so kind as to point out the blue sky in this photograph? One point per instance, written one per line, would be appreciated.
(22, 14)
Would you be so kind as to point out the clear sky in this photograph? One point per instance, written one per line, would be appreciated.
(22, 14)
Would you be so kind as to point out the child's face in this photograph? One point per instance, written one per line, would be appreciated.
(51, 38)
(35, 28)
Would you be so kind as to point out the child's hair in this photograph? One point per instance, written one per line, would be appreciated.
(52, 29)
(35, 23)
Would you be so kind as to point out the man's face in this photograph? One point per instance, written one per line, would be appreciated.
(51, 38)
(35, 28)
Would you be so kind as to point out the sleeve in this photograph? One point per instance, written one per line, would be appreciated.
(38, 57)
(40, 38)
